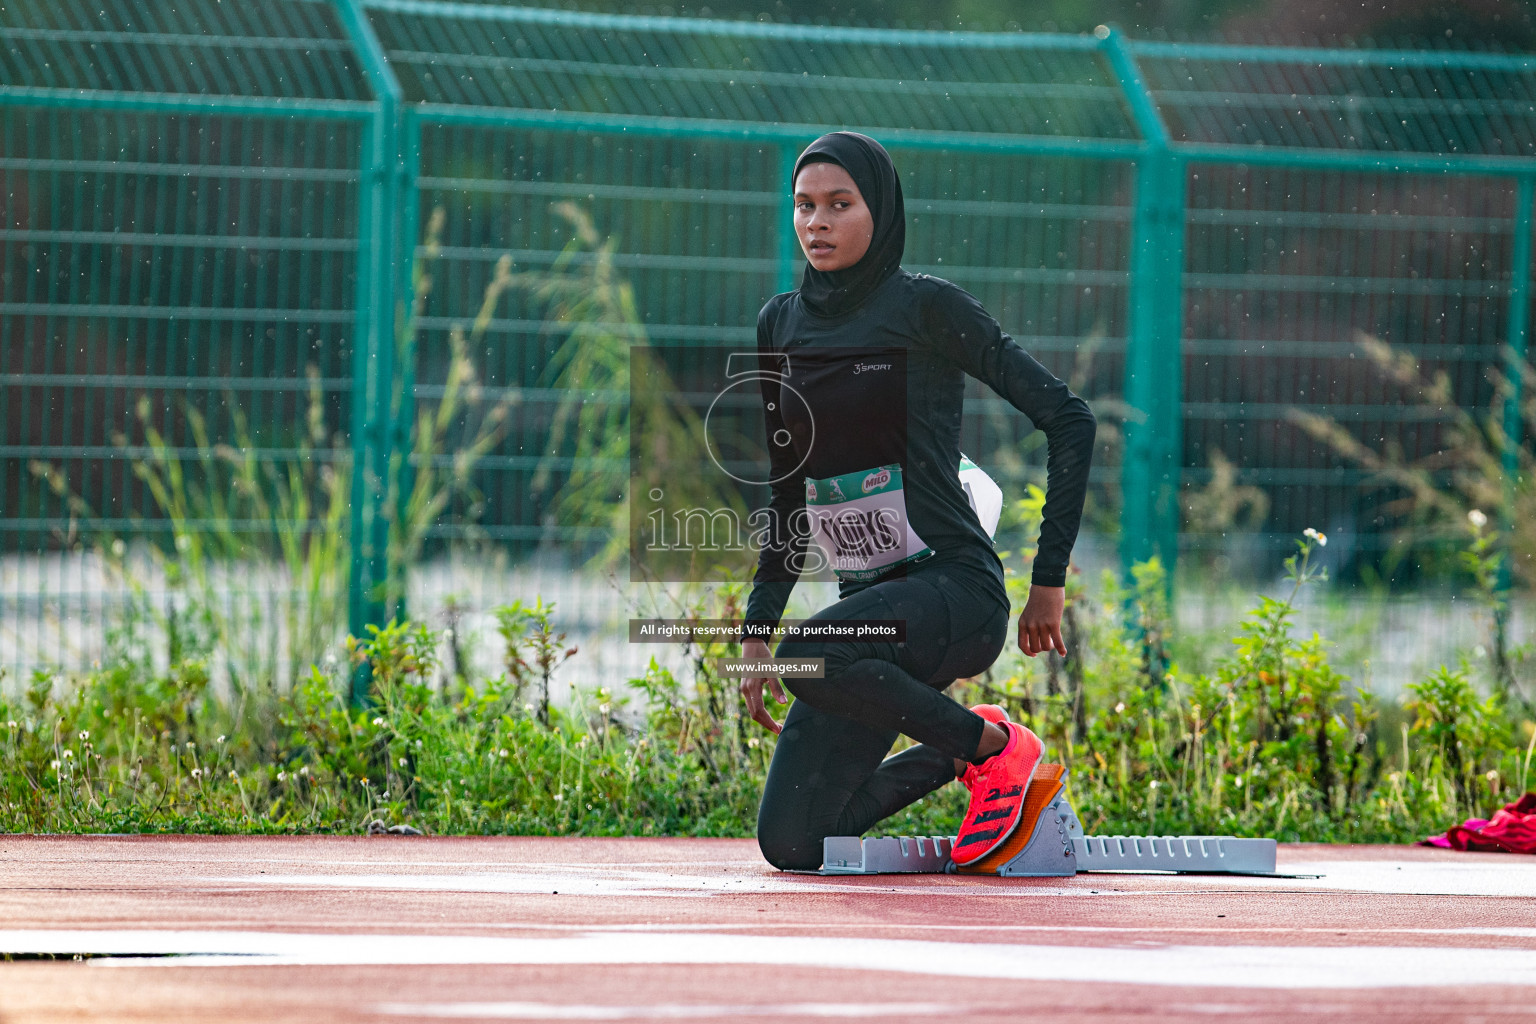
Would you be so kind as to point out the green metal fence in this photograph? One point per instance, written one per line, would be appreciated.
(214, 211)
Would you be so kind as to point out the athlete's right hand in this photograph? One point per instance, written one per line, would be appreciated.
(752, 687)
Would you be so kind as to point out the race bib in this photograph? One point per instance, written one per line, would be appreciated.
(860, 521)
(983, 494)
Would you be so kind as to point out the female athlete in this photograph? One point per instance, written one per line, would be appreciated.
(867, 413)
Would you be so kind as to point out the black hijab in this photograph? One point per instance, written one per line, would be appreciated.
(833, 292)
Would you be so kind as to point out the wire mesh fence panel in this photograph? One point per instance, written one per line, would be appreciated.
(1043, 242)
(275, 49)
(176, 316)
(669, 143)
(1292, 275)
(210, 215)
(1328, 242)
(176, 319)
(667, 242)
(722, 73)
(1442, 103)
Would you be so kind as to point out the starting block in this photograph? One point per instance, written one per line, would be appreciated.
(1049, 843)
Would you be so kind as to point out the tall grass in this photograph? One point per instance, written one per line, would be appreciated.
(1271, 742)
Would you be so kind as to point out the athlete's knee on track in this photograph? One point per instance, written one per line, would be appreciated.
(789, 851)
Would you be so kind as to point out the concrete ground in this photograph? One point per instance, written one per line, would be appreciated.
(215, 929)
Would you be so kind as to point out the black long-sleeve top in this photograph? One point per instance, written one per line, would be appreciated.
(885, 384)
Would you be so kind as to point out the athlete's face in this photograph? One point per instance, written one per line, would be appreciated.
(832, 221)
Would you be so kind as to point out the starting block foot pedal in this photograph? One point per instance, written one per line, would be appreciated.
(1212, 855)
(885, 855)
(1049, 843)
(1041, 847)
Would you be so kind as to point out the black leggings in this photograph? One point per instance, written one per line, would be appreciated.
(830, 775)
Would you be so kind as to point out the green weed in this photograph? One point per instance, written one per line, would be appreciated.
(1271, 741)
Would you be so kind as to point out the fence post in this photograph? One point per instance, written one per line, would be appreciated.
(1154, 363)
(375, 387)
(1517, 327)
(403, 405)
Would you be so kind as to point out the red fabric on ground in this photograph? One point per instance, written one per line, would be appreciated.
(1512, 829)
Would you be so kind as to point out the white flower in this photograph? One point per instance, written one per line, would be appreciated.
(233, 774)
(1477, 518)
(197, 773)
(378, 721)
(418, 744)
(281, 776)
(402, 762)
(221, 737)
(1152, 784)
(68, 754)
(85, 735)
(190, 744)
(502, 752)
(558, 798)
(1120, 708)
(384, 795)
(54, 764)
(304, 770)
(752, 742)
(12, 724)
(1493, 773)
(1320, 537)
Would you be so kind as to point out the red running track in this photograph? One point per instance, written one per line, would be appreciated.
(214, 929)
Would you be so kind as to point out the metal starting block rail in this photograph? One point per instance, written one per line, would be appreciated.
(1049, 843)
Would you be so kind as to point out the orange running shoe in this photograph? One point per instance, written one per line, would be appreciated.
(991, 712)
(997, 788)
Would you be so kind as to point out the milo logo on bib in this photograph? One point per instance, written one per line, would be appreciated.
(867, 534)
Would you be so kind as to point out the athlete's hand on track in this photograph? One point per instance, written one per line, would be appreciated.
(1040, 621)
(752, 687)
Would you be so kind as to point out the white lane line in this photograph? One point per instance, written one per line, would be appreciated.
(631, 883)
(1514, 877)
(1509, 931)
(566, 883)
(1249, 966)
(320, 860)
(662, 1011)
